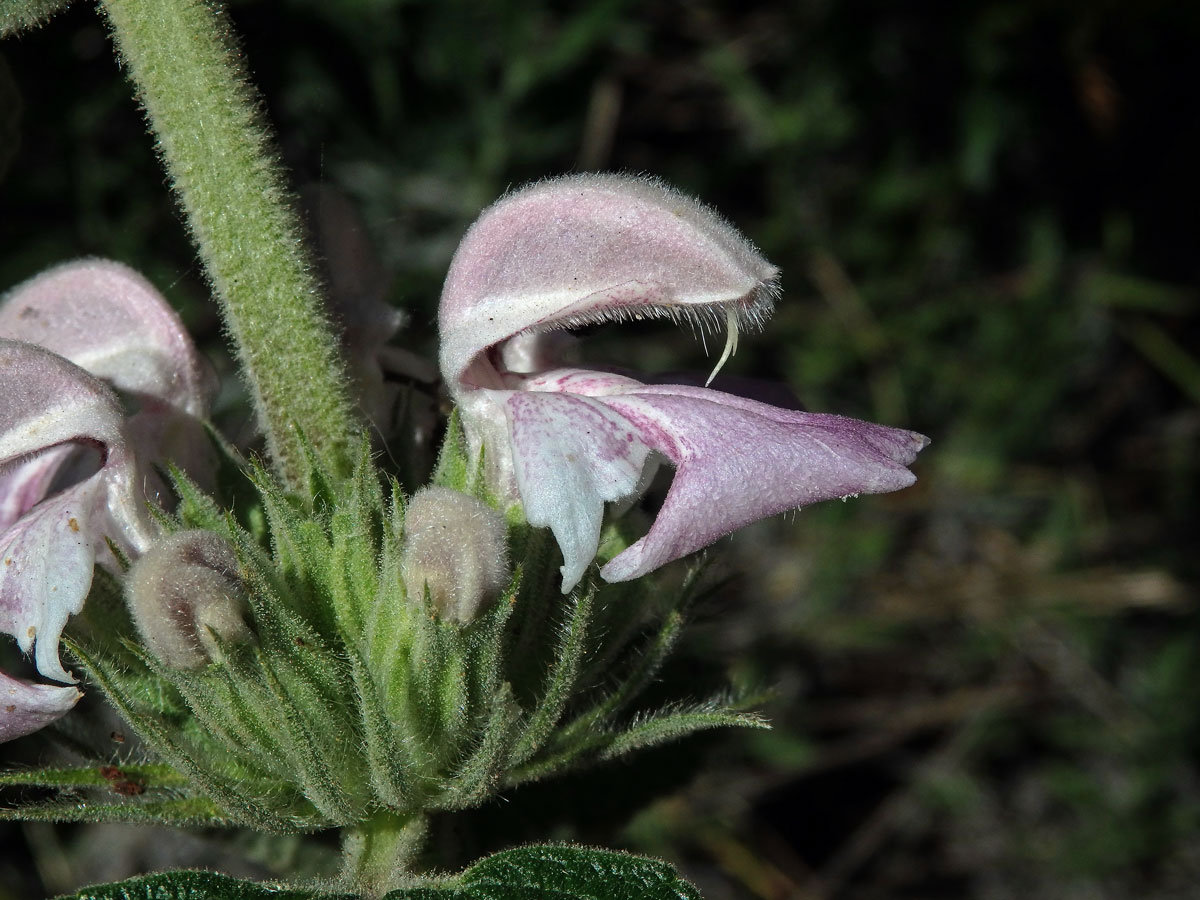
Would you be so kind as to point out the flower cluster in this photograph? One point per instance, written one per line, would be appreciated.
(102, 382)
(80, 345)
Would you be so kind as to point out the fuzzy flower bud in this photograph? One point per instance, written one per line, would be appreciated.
(184, 594)
(455, 546)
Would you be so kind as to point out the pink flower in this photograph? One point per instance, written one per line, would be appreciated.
(60, 334)
(565, 441)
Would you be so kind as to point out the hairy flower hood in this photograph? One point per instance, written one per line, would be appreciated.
(67, 338)
(565, 441)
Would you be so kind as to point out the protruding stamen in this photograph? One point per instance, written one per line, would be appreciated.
(731, 341)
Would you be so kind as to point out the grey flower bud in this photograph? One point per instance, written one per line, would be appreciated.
(184, 593)
(455, 545)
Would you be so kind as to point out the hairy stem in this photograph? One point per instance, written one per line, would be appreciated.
(184, 61)
(377, 856)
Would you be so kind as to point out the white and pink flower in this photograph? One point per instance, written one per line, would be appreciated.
(70, 340)
(564, 441)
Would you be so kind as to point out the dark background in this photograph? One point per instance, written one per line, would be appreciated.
(986, 216)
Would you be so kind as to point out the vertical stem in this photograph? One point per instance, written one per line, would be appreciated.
(184, 61)
(377, 855)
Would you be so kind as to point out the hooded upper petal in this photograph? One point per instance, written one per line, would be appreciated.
(109, 320)
(106, 318)
(585, 248)
(25, 707)
(48, 550)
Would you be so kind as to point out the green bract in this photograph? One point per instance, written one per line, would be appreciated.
(356, 705)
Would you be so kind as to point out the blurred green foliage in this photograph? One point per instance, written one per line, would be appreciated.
(987, 686)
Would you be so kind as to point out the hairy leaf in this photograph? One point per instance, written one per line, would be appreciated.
(17, 15)
(196, 886)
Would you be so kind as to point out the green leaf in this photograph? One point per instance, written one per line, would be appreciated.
(546, 871)
(196, 886)
(16, 15)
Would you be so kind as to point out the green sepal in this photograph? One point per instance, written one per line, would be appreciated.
(673, 724)
(156, 731)
(598, 744)
(394, 771)
(560, 682)
(130, 792)
(355, 697)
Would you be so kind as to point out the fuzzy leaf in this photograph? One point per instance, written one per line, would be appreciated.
(17, 15)
(196, 886)
(550, 872)
(539, 872)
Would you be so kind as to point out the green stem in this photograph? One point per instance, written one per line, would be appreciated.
(183, 59)
(377, 856)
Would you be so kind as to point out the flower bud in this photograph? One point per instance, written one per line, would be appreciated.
(454, 545)
(186, 598)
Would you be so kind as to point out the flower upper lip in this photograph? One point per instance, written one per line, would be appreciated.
(590, 248)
